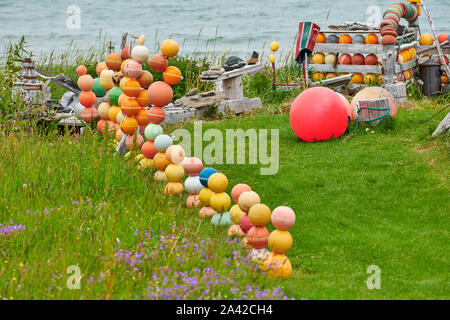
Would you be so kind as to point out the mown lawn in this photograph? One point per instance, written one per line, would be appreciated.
(366, 199)
(378, 197)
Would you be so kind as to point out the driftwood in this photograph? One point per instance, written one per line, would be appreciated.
(443, 126)
(353, 26)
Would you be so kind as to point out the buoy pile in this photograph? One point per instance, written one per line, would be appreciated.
(280, 242)
(174, 172)
(87, 98)
(134, 103)
(193, 166)
(220, 201)
(161, 144)
(346, 59)
(205, 194)
(392, 16)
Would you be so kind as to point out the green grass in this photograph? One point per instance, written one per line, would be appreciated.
(366, 199)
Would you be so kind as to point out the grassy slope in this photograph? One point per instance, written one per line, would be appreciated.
(365, 199)
(378, 199)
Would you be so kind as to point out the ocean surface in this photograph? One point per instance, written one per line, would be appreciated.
(220, 26)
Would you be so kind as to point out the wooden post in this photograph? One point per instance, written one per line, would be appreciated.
(111, 47)
(389, 64)
(233, 88)
(124, 40)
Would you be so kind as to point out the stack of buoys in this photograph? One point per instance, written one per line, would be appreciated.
(280, 242)
(87, 98)
(391, 21)
(162, 143)
(274, 46)
(235, 212)
(220, 201)
(247, 200)
(192, 167)
(258, 235)
(174, 171)
(205, 194)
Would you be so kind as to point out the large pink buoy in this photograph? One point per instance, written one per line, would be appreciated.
(318, 114)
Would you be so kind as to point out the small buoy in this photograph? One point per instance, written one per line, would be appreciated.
(274, 46)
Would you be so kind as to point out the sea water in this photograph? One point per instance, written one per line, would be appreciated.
(219, 26)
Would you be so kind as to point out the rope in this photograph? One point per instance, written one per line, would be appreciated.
(434, 115)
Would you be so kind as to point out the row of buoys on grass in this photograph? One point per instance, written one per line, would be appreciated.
(247, 219)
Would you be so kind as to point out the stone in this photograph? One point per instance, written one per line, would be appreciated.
(200, 100)
(233, 62)
(238, 106)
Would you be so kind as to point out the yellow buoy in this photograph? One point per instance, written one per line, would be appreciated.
(272, 58)
(169, 48)
(274, 46)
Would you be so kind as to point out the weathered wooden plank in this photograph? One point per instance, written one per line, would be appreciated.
(241, 71)
(432, 50)
(232, 88)
(443, 126)
(389, 55)
(351, 31)
(346, 68)
(376, 49)
(405, 66)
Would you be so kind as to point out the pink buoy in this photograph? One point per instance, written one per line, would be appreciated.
(318, 114)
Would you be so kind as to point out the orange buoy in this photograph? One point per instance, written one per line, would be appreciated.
(122, 98)
(345, 39)
(358, 78)
(81, 70)
(100, 67)
(143, 98)
(172, 75)
(371, 60)
(132, 88)
(321, 38)
(130, 107)
(114, 61)
(156, 115)
(125, 53)
(371, 39)
(358, 59)
(142, 117)
(158, 63)
(85, 82)
(345, 59)
(129, 125)
(160, 94)
(87, 98)
(89, 114)
(149, 151)
(442, 38)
